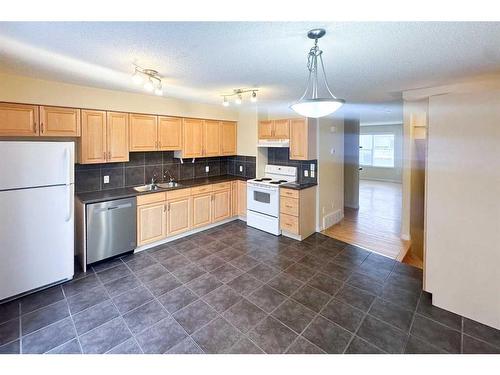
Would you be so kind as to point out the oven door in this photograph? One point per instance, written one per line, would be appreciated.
(264, 200)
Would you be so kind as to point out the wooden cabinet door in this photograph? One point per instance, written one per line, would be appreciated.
(169, 133)
(228, 138)
(242, 198)
(59, 122)
(143, 132)
(298, 139)
(93, 144)
(18, 120)
(234, 198)
(117, 137)
(266, 129)
(151, 223)
(211, 138)
(221, 205)
(192, 142)
(202, 210)
(281, 129)
(179, 216)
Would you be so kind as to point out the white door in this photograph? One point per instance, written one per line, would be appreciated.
(36, 238)
(29, 164)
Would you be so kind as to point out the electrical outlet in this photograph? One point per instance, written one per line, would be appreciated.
(306, 173)
(207, 169)
(312, 174)
(241, 168)
(313, 167)
(106, 179)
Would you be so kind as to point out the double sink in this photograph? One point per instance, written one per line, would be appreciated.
(154, 187)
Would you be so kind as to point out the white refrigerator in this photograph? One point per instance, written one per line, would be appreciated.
(36, 215)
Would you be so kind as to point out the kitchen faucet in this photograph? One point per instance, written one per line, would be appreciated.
(170, 177)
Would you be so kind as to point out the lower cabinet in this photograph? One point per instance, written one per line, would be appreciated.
(166, 214)
(178, 216)
(151, 223)
(221, 205)
(202, 210)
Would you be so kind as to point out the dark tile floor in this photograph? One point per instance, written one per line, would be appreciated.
(233, 289)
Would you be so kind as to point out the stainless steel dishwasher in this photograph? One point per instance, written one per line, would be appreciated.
(111, 228)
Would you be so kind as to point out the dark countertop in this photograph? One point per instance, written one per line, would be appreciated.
(127, 192)
(296, 186)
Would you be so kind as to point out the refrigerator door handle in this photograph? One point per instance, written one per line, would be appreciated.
(68, 165)
(70, 203)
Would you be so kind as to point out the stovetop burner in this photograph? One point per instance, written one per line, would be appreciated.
(278, 182)
(263, 179)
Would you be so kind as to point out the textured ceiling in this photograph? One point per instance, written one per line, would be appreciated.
(366, 63)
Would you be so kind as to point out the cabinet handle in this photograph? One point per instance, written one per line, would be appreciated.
(109, 155)
(168, 207)
(288, 206)
(41, 128)
(34, 127)
(164, 207)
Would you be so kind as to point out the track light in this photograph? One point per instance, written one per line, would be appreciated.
(238, 93)
(151, 79)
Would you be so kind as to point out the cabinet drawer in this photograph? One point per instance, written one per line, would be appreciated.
(181, 193)
(289, 206)
(221, 186)
(201, 189)
(289, 223)
(289, 193)
(150, 198)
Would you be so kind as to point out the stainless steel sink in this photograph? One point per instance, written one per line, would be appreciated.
(167, 185)
(144, 188)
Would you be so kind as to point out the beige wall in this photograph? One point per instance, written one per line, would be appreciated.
(351, 163)
(30, 90)
(462, 205)
(247, 132)
(330, 199)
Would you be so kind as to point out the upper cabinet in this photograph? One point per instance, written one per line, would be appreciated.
(143, 132)
(208, 138)
(18, 120)
(59, 122)
(303, 139)
(104, 137)
(228, 138)
(169, 133)
(192, 146)
(117, 136)
(211, 138)
(92, 144)
(274, 129)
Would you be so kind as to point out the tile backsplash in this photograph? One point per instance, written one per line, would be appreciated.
(281, 156)
(144, 165)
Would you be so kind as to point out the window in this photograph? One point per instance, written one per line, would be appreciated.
(376, 150)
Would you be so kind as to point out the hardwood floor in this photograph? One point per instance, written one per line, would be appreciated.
(376, 225)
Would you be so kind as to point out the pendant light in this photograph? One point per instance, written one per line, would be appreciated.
(310, 104)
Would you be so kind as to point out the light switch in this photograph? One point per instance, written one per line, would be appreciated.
(207, 169)
(241, 168)
(313, 167)
(106, 179)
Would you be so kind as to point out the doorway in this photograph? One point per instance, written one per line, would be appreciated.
(372, 188)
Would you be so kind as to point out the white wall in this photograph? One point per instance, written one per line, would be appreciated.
(330, 199)
(385, 174)
(462, 252)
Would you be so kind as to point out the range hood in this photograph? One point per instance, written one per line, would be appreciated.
(273, 143)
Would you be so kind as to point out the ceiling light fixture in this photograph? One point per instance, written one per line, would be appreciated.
(150, 77)
(312, 105)
(239, 96)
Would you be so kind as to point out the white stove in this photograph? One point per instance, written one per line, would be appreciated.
(263, 197)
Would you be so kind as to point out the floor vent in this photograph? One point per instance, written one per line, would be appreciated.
(332, 218)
